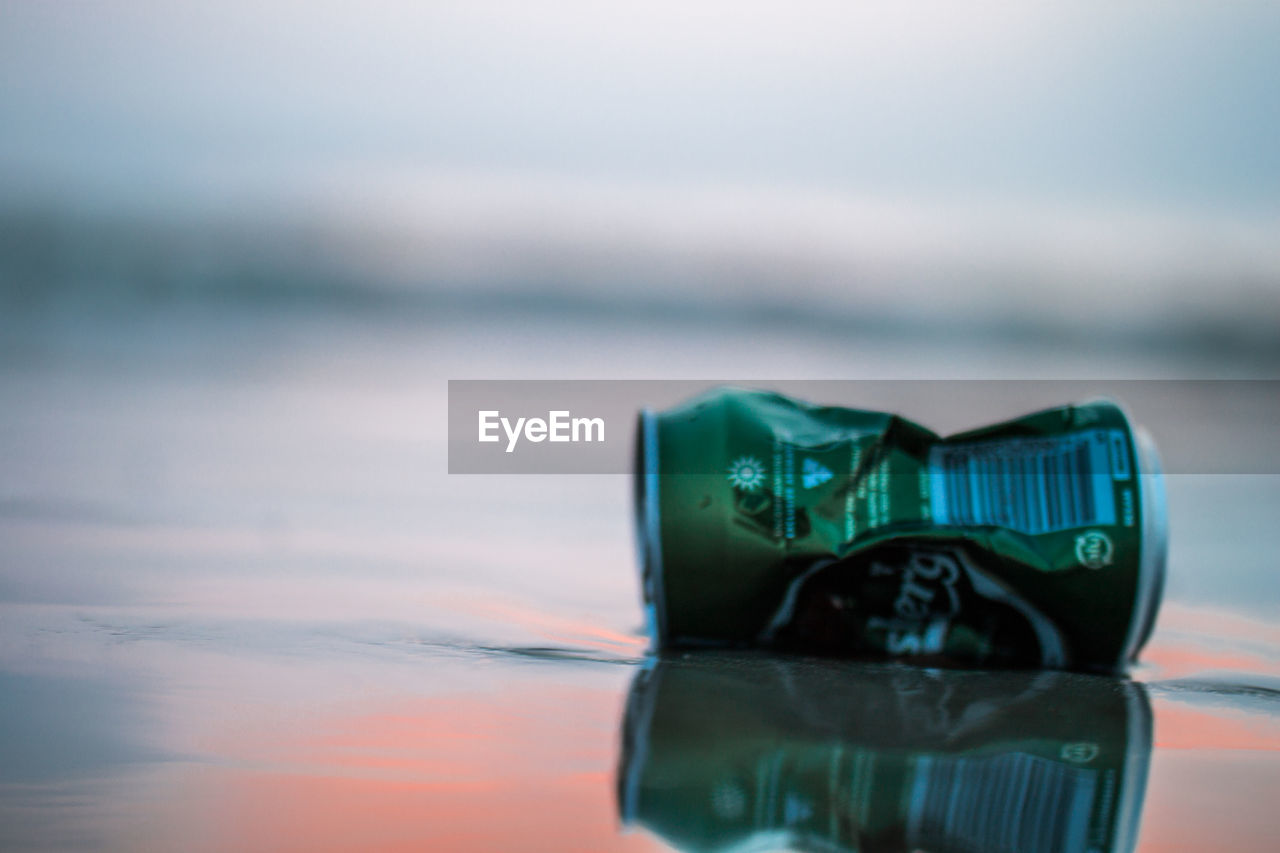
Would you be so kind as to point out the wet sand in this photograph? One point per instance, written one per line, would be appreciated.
(243, 606)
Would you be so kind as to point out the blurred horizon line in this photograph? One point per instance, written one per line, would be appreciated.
(825, 263)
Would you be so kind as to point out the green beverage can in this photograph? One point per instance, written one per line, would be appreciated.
(767, 522)
(731, 752)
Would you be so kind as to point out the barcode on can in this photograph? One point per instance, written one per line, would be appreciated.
(1015, 803)
(1030, 485)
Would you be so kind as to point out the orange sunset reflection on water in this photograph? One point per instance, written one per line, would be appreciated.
(527, 762)
(527, 768)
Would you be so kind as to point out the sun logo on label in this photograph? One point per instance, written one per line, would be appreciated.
(746, 473)
(813, 473)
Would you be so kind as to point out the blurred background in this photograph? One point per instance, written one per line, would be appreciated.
(243, 246)
(1071, 174)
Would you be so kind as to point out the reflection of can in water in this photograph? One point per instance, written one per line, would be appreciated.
(730, 752)
(764, 521)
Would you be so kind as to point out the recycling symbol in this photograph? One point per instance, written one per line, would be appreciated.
(814, 474)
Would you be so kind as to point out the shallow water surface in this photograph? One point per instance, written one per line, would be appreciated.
(243, 607)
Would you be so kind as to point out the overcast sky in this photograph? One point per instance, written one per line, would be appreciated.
(1166, 105)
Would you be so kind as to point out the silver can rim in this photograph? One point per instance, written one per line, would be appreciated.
(1154, 549)
(648, 528)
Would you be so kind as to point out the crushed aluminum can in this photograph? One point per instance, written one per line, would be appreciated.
(767, 522)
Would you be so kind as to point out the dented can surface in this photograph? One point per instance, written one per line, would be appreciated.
(768, 522)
